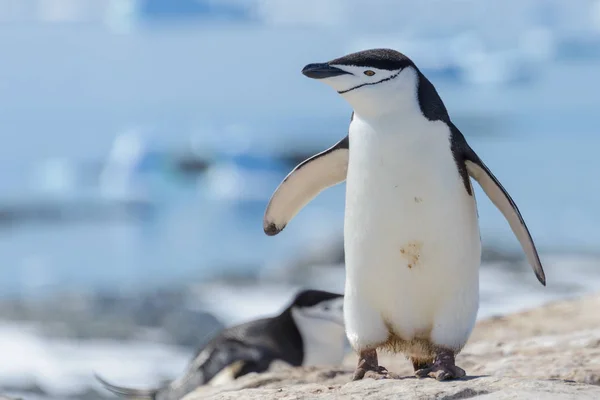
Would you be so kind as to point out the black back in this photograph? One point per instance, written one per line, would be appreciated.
(255, 344)
(433, 108)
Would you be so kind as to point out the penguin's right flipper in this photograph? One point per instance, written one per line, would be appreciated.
(230, 360)
(304, 183)
(502, 200)
(233, 359)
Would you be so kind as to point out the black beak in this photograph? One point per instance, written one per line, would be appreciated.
(322, 71)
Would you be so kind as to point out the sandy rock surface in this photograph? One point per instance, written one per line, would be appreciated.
(552, 352)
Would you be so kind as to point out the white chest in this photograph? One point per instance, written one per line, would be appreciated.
(403, 161)
(323, 340)
(410, 222)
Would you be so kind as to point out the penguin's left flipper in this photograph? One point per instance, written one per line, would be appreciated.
(232, 360)
(125, 392)
(304, 183)
(502, 200)
(227, 362)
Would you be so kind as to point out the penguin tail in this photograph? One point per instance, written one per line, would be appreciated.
(148, 394)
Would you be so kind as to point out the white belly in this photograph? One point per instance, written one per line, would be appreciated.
(411, 233)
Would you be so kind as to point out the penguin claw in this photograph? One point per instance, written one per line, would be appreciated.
(441, 372)
(364, 370)
(443, 368)
(369, 367)
(377, 373)
(386, 375)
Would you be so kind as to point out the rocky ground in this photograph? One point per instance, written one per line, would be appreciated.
(552, 352)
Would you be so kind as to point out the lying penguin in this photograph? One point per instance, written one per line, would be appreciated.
(310, 331)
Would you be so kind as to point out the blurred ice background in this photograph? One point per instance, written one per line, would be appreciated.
(141, 140)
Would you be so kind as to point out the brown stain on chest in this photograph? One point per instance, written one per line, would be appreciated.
(412, 252)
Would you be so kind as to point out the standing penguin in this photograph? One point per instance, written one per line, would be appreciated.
(411, 233)
(310, 331)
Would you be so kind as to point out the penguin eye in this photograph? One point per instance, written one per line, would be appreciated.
(369, 72)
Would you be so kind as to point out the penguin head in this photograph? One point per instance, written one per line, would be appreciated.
(318, 305)
(372, 81)
(319, 317)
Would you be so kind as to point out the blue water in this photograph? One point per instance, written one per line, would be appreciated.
(195, 228)
(232, 92)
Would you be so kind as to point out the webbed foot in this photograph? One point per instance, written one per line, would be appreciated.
(368, 367)
(443, 368)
